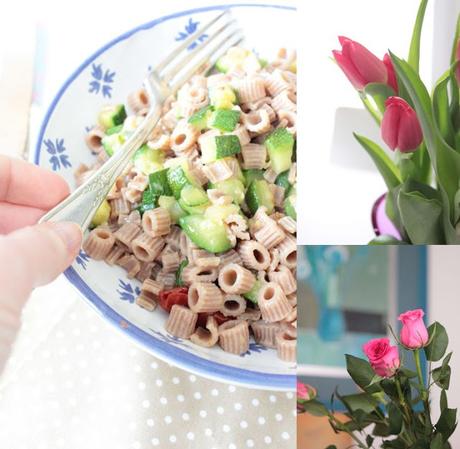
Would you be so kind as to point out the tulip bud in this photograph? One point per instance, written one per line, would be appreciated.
(383, 357)
(400, 126)
(359, 65)
(414, 334)
(392, 80)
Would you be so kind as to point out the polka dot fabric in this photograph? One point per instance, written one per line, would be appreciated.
(73, 382)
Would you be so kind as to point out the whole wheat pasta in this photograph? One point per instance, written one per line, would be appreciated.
(250, 315)
(156, 222)
(174, 237)
(181, 321)
(208, 336)
(278, 195)
(288, 224)
(265, 333)
(288, 251)
(192, 273)
(284, 101)
(127, 233)
(254, 255)
(234, 336)
(231, 256)
(292, 298)
(146, 303)
(131, 195)
(251, 89)
(270, 175)
(291, 318)
(197, 172)
(115, 191)
(273, 303)
(145, 271)
(216, 80)
(238, 226)
(170, 262)
(151, 289)
(99, 243)
(184, 136)
(147, 248)
(233, 305)
(218, 171)
(160, 142)
(284, 278)
(277, 82)
(114, 255)
(219, 198)
(130, 264)
(94, 139)
(133, 217)
(242, 133)
(258, 122)
(254, 156)
(270, 235)
(205, 297)
(119, 206)
(236, 279)
(167, 279)
(139, 182)
(286, 344)
(288, 120)
(292, 175)
(138, 101)
(207, 262)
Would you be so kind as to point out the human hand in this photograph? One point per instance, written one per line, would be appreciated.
(30, 255)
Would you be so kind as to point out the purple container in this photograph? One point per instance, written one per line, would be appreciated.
(381, 223)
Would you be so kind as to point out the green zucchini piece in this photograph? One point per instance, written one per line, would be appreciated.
(182, 265)
(280, 145)
(227, 145)
(206, 233)
(283, 181)
(252, 295)
(200, 209)
(148, 160)
(290, 204)
(111, 115)
(251, 174)
(259, 194)
(200, 119)
(193, 196)
(220, 212)
(172, 206)
(177, 180)
(223, 97)
(149, 201)
(114, 130)
(232, 187)
(158, 182)
(102, 214)
(224, 119)
(112, 143)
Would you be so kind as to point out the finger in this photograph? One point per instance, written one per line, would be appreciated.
(34, 256)
(14, 216)
(26, 184)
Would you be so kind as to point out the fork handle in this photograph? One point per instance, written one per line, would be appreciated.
(80, 206)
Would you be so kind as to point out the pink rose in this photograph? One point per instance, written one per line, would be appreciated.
(414, 333)
(383, 357)
(305, 392)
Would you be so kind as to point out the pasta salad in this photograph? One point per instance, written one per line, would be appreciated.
(204, 216)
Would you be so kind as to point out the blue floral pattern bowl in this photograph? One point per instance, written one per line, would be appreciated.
(109, 76)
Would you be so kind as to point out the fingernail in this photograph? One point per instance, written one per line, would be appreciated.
(70, 234)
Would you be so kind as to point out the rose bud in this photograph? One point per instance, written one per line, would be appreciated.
(383, 357)
(414, 334)
(305, 392)
(359, 65)
(392, 80)
(400, 126)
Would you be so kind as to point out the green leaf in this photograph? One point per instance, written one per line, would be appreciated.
(360, 401)
(395, 419)
(441, 375)
(361, 372)
(386, 240)
(438, 342)
(379, 93)
(453, 56)
(443, 400)
(332, 446)
(316, 408)
(441, 109)
(437, 442)
(369, 440)
(447, 422)
(414, 50)
(384, 164)
(421, 217)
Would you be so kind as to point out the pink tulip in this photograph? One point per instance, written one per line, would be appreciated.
(392, 80)
(383, 357)
(414, 334)
(359, 65)
(305, 392)
(400, 126)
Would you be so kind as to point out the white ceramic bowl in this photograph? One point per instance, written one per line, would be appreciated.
(110, 75)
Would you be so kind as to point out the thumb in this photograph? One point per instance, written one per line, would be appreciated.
(34, 256)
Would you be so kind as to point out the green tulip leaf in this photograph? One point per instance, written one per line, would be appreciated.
(453, 56)
(382, 161)
(414, 50)
(438, 342)
(386, 240)
(379, 93)
(441, 109)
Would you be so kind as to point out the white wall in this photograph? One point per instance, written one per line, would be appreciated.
(444, 306)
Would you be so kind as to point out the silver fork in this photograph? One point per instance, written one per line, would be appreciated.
(166, 78)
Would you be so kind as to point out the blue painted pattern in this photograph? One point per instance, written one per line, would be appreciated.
(254, 347)
(82, 259)
(127, 292)
(57, 149)
(168, 338)
(189, 29)
(102, 81)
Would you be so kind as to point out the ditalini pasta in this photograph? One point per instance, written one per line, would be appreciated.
(204, 216)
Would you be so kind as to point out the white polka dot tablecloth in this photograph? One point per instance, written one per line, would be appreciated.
(73, 382)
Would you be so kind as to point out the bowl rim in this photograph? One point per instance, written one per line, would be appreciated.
(164, 351)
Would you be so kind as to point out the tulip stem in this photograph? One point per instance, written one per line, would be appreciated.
(376, 115)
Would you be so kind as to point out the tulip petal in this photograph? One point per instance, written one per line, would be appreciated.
(391, 74)
(349, 70)
(410, 133)
(371, 68)
(390, 126)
